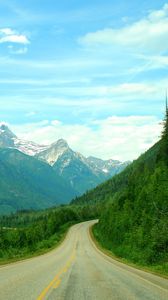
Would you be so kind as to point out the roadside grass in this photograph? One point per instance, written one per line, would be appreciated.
(41, 248)
(160, 270)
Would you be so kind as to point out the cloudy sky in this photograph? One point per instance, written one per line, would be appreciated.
(92, 72)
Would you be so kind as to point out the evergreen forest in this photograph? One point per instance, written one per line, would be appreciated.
(133, 222)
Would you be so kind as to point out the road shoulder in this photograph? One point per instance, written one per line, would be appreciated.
(154, 278)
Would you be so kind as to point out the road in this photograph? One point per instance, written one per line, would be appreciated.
(77, 270)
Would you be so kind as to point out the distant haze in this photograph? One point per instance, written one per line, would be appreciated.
(117, 138)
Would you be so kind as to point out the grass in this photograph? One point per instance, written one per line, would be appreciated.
(160, 270)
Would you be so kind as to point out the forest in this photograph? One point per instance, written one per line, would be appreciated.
(28, 233)
(133, 223)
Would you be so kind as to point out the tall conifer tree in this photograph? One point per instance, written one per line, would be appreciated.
(165, 134)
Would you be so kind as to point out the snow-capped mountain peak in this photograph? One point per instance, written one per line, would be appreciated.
(9, 140)
(54, 151)
(61, 143)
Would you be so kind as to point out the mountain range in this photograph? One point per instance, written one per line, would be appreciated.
(48, 172)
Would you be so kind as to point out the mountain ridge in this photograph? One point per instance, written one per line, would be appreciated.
(81, 172)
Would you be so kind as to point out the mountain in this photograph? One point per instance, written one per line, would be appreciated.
(26, 183)
(60, 150)
(79, 172)
(53, 152)
(9, 139)
(109, 167)
(71, 166)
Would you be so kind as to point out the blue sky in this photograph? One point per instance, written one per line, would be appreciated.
(92, 72)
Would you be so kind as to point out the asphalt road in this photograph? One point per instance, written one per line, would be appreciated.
(77, 270)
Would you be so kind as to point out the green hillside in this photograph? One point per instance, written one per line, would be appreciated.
(134, 223)
(28, 183)
(118, 183)
(134, 213)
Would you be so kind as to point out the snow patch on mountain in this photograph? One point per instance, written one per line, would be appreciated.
(9, 140)
(105, 170)
(29, 148)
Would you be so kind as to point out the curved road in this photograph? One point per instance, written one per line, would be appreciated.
(77, 270)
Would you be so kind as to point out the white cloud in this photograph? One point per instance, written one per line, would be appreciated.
(154, 62)
(17, 51)
(31, 114)
(7, 35)
(123, 138)
(128, 121)
(56, 122)
(126, 89)
(7, 31)
(148, 35)
(21, 39)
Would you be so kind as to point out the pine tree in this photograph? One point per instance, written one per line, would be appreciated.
(165, 135)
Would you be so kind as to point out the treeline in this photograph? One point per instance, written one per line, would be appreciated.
(134, 224)
(26, 233)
